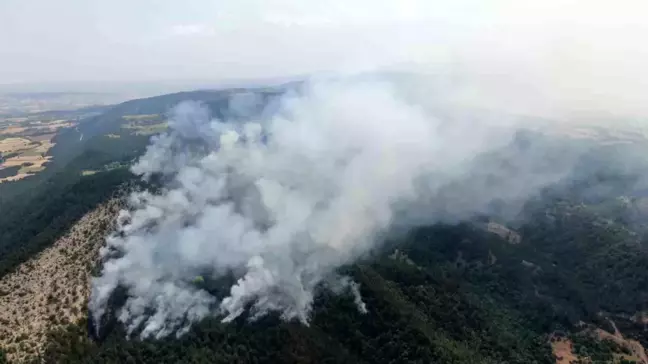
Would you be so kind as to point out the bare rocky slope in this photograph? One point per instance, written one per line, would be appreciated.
(51, 289)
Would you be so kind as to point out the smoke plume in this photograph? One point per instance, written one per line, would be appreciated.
(258, 211)
(281, 202)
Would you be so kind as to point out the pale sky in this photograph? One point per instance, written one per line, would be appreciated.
(63, 40)
(579, 49)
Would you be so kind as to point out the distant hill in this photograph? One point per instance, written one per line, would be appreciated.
(216, 100)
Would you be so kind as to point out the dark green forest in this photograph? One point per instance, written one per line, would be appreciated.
(441, 294)
(451, 294)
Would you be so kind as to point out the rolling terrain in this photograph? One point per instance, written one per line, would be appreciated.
(563, 284)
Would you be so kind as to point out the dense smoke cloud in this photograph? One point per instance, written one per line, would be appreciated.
(283, 202)
(272, 206)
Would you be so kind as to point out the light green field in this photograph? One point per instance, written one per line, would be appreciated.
(106, 168)
(142, 117)
(151, 129)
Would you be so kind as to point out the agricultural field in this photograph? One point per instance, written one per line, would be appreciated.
(24, 145)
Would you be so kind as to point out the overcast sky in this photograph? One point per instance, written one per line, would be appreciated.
(570, 45)
(63, 40)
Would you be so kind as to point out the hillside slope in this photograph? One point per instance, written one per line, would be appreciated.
(448, 294)
(51, 289)
(540, 288)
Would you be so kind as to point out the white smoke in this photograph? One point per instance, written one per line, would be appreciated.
(282, 203)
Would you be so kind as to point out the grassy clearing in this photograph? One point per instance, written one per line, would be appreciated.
(150, 129)
(148, 124)
(142, 117)
(106, 168)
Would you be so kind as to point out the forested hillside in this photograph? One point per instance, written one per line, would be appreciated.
(565, 281)
(38, 209)
(446, 294)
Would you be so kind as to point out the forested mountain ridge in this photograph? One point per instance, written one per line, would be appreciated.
(38, 209)
(446, 294)
(559, 282)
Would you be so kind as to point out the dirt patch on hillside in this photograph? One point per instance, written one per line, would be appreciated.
(637, 350)
(562, 349)
(52, 288)
(504, 232)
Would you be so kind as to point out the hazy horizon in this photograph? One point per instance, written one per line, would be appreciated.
(147, 87)
(553, 57)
